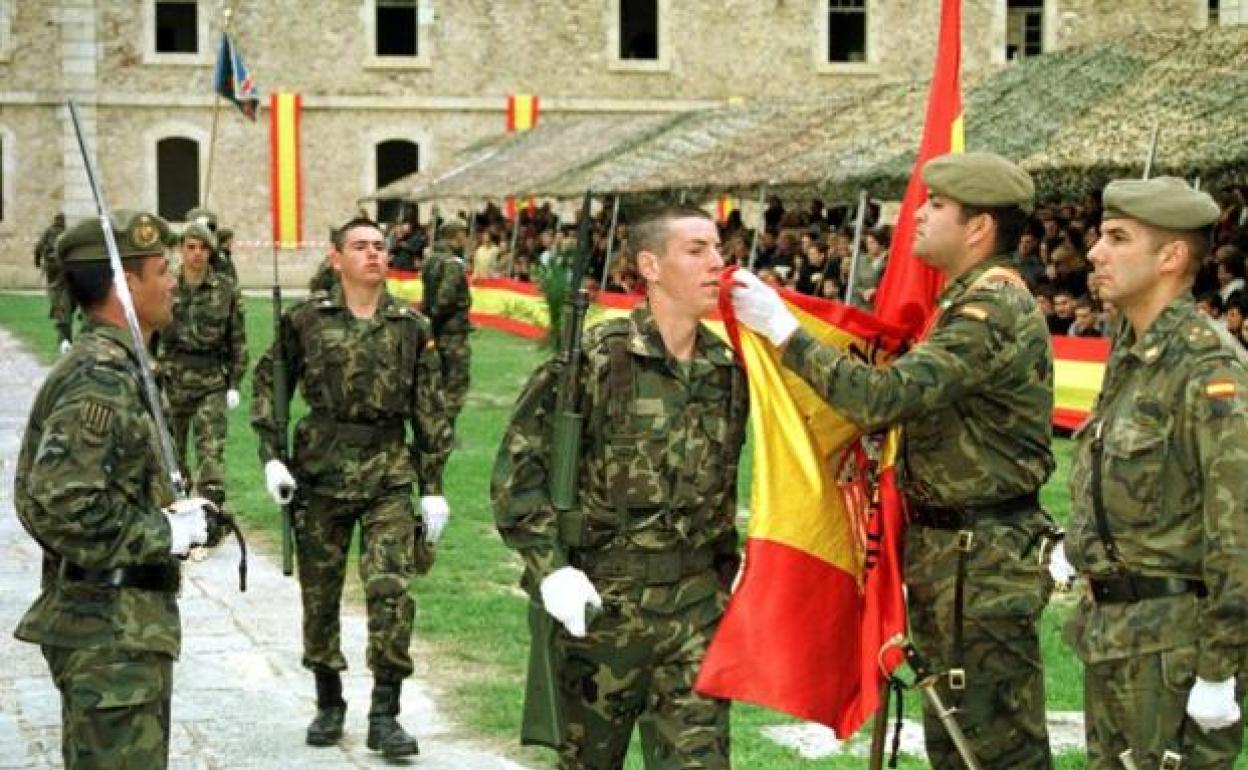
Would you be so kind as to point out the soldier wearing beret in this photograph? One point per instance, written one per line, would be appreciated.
(446, 303)
(92, 490)
(974, 399)
(203, 358)
(368, 367)
(1159, 483)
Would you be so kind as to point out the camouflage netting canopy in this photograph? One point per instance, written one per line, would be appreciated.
(1075, 118)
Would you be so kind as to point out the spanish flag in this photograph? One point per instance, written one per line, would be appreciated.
(285, 188)
(522, 112)
(789, 637)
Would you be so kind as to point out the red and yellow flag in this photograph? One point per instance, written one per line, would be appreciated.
(908, 288)
(724, 206)
(522, 112)
(285, 185)
(788, 638)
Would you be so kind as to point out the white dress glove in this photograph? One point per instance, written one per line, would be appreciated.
(279, 482)
(565, 594)
(65, 346)
(436, 513)
(1212, 705)
(759, 307)
(188, 524)
(1061, 569)
(232, 399)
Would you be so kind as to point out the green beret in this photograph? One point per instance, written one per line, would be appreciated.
(200, 233)
(980, 179)
(138, 234)
(203, 217)
(1164, 201)
(452, 225)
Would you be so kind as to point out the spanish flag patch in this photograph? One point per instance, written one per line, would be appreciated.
(1223, 388)
(971, 311)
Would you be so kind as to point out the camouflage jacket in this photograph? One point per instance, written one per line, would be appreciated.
(324, 279)
(381, 372)
(90, 487)
(974, 397)
(1173, 416)
(45, 253)
(447, 299)
(205, 348)
(659, 451)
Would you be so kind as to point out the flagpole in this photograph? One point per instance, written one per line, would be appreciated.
(216, 114)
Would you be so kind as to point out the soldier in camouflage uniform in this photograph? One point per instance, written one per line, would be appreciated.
(90, 489)
(367, 364)
(203, 358)
(60, 306)
(221, 260)
(446, 303)
(974, 399)
(653, 540)
(1159, 484)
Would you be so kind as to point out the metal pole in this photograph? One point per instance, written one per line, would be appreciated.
(515, 240)
(606, 262)
(216, 114)
(1152, 150)
(853, 259)
(762, 223)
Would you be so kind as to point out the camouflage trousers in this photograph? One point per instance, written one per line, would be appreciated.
(456, 371)
(640, 664)
(1001, 709)
(114, 707)
(202, 416)
(1140, 703)
(323, 530)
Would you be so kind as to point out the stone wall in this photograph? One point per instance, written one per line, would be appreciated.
(474, 53)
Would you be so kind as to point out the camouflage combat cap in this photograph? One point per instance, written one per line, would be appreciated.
(138, 234)
(200, 233)
(1164, 201)
(980, 179)
(203, 217)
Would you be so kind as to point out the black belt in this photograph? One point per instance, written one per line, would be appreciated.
(362, 433)
(1134, 588)
(651, 568)
(937, 517)
(165, 578)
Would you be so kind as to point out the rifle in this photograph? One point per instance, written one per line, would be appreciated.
(151, 392)
(543, 722)
(281, 416)
(859, 222)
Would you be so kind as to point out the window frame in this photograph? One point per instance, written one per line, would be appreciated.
(8, 177)
(869, 65)
(660, 64)
(204, 53)
(427, 15)
(8, 14)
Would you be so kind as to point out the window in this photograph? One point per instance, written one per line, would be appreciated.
(847, 30)
(1024, 29)
(639, 30)
(177, 27)
(398, 28)
(177, 177)
(395, 159)
(1215, 13)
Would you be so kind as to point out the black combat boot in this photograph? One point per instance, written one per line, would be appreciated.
(326, 727)
(385, 734)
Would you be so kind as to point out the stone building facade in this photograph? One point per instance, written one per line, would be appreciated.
(389, 86)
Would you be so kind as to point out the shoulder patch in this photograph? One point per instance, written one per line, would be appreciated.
(97, 417)
(974, 312)
(1220, 388)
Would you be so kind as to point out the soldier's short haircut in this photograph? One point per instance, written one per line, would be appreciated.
(651, 231)
(1197, 242)
(89, 282)
(339, 235)
(1011, 222)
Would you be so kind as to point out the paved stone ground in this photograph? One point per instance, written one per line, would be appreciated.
(241, 700)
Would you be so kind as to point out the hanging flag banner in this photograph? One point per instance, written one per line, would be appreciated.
(285, 185)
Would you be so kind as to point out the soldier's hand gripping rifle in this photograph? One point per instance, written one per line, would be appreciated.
(543, 719)
(151, 392)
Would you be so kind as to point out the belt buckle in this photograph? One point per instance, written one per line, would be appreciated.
(1171, 760)
(966, 538)
(957, 679)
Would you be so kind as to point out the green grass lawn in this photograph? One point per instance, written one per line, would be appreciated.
(471, 615)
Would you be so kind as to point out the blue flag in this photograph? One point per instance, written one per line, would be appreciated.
(233, 81)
